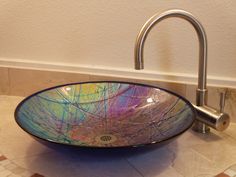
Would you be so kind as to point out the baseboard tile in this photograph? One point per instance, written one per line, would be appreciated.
(128, 73)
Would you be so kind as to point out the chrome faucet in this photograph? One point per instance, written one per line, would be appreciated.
(207, 116)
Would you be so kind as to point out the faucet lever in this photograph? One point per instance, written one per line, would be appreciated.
(222, 100)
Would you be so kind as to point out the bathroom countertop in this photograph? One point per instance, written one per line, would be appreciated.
(190, 155)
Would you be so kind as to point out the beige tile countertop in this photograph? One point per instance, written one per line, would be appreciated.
(190, 155)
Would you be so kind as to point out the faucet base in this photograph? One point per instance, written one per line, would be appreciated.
(200, 127)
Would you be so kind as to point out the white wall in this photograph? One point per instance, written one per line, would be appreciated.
(98, 36)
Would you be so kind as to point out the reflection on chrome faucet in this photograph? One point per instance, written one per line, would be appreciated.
(207, 116)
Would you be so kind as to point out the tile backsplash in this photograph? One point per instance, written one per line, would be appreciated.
(23, 82)
(4, 81)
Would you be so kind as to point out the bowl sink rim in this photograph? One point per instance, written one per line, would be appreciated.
(18, 107)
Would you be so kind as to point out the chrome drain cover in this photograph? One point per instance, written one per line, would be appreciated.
(105, 138)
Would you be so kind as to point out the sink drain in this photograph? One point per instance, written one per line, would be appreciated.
(106, 138)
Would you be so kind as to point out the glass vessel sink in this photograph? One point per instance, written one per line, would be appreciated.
(105, 114)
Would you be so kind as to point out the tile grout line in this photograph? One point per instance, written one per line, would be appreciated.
(3, 158)
(233, 138)
(173, 161)
(9, 81)
(131, 165)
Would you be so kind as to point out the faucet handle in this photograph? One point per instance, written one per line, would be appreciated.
(222, 99)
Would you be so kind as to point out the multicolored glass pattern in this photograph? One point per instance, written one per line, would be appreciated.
(105, 114)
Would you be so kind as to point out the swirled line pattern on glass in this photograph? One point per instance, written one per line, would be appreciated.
(104, 114)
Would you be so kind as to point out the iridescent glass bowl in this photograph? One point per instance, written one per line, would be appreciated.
(105, 114)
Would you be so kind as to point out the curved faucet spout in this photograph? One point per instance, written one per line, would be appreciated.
(202, 70)
(206, 115)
